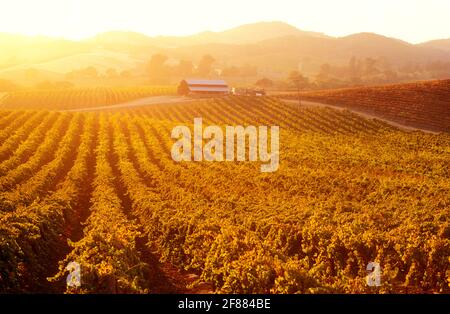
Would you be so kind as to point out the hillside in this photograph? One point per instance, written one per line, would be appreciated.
(443, 44)
(240, 35)
(28, 50)
(107, 182)
(422, 104)
(253, 33)
(274, 47)
(395, 50)
(78, 98)
(101, 59)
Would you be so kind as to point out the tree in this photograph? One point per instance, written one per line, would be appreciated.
(44, 85)
(370, 66)
(63, 85)
(184, 68)
(352, 67)
(248, 70)
(90, 72)
(125, 74)
(7, 86)
(111, 73)
(390, 76)
(32, 74)
(230, 71)
(156, 67)
(264, 83)
(299, 81)
(205, 65)
(324, 73)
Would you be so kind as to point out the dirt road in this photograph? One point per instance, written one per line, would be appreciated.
(151, 100)
(361, 113)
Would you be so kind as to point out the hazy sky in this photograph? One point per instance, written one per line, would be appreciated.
(410, 20)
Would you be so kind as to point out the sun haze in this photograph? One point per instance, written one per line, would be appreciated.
(414, 21)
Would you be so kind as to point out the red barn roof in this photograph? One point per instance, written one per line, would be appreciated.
(206, 86)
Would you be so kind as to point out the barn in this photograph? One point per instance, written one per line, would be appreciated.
(203, 87)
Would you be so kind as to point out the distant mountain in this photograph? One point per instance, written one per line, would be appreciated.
(394, 50)
(273, 47)
(16, 39)
(245, 34)
(21, 50)
(309, 52)
(121, 38)
(253, 33)
(100, 59)
(443, 44)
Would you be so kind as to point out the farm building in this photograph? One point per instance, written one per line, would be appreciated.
(199, 87)
(247, 92)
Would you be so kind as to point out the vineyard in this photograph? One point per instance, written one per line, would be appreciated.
(66, 99)
(424, 104)
(102, 190)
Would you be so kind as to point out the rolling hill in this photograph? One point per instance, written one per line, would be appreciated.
(101, 59)
(422, 104)
(241, 35)
(443, 44)
(103, 189)
(274, 47)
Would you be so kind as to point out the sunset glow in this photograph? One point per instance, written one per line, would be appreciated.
(414, 21)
